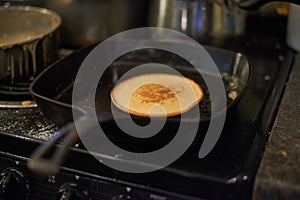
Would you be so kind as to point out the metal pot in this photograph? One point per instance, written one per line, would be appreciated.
(208, 21)
(204, 20)
(90, 21)
(28, 41)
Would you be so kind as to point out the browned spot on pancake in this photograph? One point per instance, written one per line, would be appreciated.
(155, 93)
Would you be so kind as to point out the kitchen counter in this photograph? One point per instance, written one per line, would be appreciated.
(278, 176)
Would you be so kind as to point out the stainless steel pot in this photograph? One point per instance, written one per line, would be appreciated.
(28, 41)
(204, 20)
(208, 21)
(90, 21)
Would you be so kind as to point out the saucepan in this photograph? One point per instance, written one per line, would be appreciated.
(29, 41)
(56, 101)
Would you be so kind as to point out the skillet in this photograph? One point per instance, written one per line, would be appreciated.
(52, 91)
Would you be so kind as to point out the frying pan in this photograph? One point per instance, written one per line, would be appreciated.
(52, 91)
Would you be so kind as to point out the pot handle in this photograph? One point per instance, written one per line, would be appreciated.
(48, 157)
(255, 4)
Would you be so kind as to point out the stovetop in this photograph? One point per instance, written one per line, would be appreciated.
(26, 122)
(228, 169)
(227, 172)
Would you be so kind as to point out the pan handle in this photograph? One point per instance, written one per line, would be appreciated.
(48, 157)
(43, 163)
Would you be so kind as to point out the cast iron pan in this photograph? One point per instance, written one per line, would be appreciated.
(52, 91)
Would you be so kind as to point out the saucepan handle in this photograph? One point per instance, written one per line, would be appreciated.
(48, 157)
(255, 4)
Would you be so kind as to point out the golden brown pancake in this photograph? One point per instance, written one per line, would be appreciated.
(156, 95)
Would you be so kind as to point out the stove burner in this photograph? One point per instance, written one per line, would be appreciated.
(15, 95)
(19, 91)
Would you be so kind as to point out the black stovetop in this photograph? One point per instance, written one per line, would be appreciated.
(227, 172)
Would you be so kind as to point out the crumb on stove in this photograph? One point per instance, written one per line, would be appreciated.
(232, 95)
(283, 153)
(25, 103)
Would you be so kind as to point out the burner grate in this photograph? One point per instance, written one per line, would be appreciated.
(15, 95)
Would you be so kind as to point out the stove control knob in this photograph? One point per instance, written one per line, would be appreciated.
(13, 185)
(70, 191)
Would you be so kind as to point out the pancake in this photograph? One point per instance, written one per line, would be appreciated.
(156, 95)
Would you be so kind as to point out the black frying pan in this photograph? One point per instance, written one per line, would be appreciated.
(52, 91)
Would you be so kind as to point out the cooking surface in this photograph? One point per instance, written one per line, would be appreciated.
(232, 151)
(227, 172)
